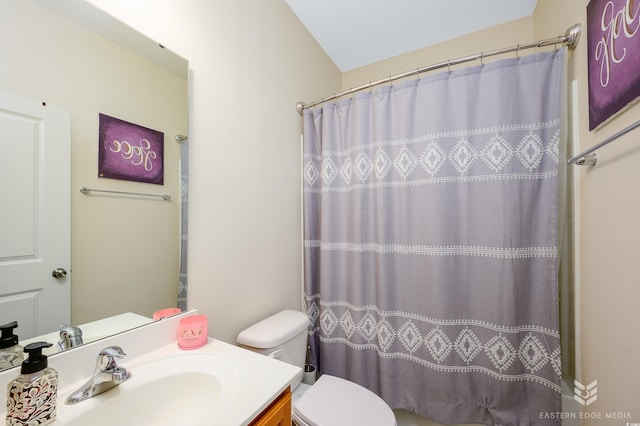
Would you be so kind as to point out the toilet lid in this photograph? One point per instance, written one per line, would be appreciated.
(332, 401)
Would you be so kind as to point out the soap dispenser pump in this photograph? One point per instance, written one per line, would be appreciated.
(32, 396)
(11, 354)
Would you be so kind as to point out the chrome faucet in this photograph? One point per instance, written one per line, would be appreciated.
(70, 337)
(106, 375)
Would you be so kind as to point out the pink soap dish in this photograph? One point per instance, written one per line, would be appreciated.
(164, 313)
(193, 332)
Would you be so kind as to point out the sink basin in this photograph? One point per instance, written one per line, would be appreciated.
(189, 389)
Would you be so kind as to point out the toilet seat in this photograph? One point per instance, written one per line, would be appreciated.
(333, 401)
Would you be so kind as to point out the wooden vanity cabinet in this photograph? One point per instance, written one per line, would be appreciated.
(276, 414)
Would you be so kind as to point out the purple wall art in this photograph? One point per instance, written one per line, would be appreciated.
(128, 151)
(613, 46)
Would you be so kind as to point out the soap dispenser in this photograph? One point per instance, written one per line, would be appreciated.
(31, 397)
(10, 351)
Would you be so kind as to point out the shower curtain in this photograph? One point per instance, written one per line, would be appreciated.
(184, 223)
(430, 241)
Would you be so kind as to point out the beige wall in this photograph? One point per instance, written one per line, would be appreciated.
(609, 208)
(250, 62)
(482, 41)
(124, 251)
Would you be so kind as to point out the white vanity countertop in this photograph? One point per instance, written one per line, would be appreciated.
(260, 379)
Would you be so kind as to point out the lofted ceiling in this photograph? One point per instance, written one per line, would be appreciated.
(355, 33)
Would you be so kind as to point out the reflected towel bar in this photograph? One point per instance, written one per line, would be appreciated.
(86, 190)
(589, 157)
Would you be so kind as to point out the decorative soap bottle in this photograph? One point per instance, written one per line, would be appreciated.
(31, 397)
(10, 351)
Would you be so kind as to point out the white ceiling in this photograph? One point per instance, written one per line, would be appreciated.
(355, 33)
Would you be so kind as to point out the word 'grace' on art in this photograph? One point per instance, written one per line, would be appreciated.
(615, 24)
(140, 155)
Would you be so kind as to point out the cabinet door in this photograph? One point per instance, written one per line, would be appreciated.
(278, 413)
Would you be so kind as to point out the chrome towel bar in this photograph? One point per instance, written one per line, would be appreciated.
(86, 191)
(589, 157)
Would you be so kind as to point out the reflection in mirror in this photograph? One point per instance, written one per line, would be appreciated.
(91, 331)
(125, 250)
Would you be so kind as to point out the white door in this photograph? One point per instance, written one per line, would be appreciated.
(35, 143)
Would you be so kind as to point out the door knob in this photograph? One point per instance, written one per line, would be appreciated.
(59, 273)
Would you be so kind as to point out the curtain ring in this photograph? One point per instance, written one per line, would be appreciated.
(418, 73)
(449, 65)
(370, 89)
(517, 52)
(482, 59)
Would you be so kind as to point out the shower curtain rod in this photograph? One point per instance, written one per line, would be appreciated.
(570, 38)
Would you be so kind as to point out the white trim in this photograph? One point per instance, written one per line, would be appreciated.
(576, 171)
(303, 302)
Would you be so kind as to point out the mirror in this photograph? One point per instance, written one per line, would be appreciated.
(125, 249)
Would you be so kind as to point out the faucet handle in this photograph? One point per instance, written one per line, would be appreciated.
(114, 351)
(70, 337)
(107, 357)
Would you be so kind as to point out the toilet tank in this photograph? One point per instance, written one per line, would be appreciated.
(282, 336)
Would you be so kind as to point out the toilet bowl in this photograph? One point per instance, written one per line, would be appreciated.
(330, 400)
(335, 401)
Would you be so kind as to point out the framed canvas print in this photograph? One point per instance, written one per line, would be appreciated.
(613, 46)
(129, 151)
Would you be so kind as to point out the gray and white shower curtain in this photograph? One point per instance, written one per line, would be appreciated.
(184, 225)
(430, 235)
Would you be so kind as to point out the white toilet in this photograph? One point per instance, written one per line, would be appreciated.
(331, 401)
